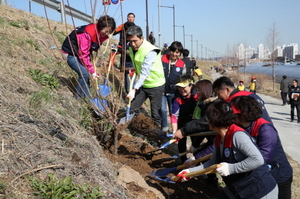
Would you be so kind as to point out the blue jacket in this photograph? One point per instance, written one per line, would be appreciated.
(269, 144)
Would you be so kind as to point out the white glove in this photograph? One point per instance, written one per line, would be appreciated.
(182, 177)
(95, 75)
(131, 94)
(223, 170)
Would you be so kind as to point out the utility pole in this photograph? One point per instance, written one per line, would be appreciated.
(191, 44)
(183, 34)
(173, 7)
(147, 25)
(159, 36)
(197, 50)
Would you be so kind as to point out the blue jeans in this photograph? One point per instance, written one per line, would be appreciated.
(83, 84)
(166, 99)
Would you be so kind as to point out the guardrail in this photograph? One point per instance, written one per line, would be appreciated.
(63, 9)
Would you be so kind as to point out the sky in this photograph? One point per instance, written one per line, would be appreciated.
(212, 27)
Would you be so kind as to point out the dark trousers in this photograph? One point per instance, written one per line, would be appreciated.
(284, 97)
(285, 189)
(155, 97)
(293, 106)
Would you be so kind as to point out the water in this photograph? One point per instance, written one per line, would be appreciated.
(290, 70)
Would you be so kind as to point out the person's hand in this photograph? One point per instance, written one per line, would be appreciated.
(177, 134)
(131, 94)
(223, 170)
(188, 164)
(95, 75)
(182, 177)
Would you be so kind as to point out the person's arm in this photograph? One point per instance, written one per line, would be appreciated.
(195, 126)
(266, 141)
(244, 145)
(146, 67)
(84, 44)
(211, 161)
(175, 115)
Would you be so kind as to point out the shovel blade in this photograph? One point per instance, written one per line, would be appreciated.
(104, 89)
(126, 119)
(162, 172)
(99, 105)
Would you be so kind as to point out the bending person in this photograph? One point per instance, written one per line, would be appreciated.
(243, 168)
(249, 113)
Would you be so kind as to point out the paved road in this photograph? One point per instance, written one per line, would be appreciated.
(289, 132)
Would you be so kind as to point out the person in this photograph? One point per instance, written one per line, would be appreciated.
(248, 112)
(187, 61)
(130, 18)
(225, 90)
(173, 68)
(241, 86)
(152, 38)
(78, 47)
(284, 89)
(252, 86)
(184, 103)
(124, 51)
(165, 50)
(194, 63)
(121, 29)
(241, 164)
(198, 73)
(294, 97)
(146, 60)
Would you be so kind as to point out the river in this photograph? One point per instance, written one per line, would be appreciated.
(290, 70)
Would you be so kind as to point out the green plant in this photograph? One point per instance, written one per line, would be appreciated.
(19, 24)
(37, 98)
(85, 120)
(53, 188)
(33, 44)
(43, 78)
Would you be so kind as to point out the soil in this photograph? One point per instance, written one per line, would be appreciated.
(33, 131)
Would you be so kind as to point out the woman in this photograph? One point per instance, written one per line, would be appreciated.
(294, 96)
(183, 107)
(173, 68)
(78, 47)
(249, 114)
(242, 166)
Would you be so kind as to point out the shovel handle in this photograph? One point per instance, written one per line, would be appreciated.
(210, 169)
(195, 161)
(206, 133)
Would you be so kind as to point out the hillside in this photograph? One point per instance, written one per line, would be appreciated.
(44, 130)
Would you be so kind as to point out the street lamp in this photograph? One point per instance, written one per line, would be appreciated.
(173, 7)
(183, 34)
(191, 44)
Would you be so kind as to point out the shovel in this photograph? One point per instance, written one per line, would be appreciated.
(164, 172)
(104, 89)
(173, 179)
(131, 76)
(206, 133)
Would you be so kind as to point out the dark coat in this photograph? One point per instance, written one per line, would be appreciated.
(284, 86)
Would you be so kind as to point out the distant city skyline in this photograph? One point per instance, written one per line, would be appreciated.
(216, 26)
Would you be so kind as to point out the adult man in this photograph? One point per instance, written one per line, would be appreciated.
(224, 88)
(146, 60)
(284, 89)
(123, 47)
(187, 61)
(152, 38)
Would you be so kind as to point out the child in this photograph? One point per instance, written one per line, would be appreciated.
(252, 86)
(241, 85)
